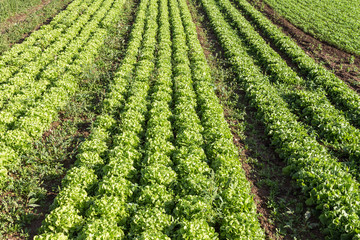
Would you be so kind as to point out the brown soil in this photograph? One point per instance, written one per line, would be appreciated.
(41, 213)
(21, 17)
(345, 65)
(260, 194)
(83, 132)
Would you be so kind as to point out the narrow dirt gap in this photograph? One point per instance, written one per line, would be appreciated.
(346, 66)
(280, 203)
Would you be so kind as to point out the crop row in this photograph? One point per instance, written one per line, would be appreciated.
(334, 22)
(48, 64)
(330, 125)
(19, 55)
(196, 185)
(152, 202)
(312, 107)
(29, 110)
(160, 162)
(327, 184)
(27, 93)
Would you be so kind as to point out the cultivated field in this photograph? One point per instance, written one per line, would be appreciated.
(133, 120)
(335, 22)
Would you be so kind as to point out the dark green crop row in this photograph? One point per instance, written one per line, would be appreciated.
(269, 59)
(312, 107)
(338, 92)
(329, 187)
(335, 22)
(330, 123)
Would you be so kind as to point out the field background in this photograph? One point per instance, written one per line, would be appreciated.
(18, 18)
(335, 22)
(11, 7)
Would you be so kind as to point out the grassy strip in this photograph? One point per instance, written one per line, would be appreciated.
(11, 7)
(17, 32)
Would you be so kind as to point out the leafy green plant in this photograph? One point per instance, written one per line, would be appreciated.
(221, 153)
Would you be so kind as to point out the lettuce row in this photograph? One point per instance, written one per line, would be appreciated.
(10, 66)
(119, 181)
(153, 199)
(238, 219)
(195, 188)
(31, 94)
(331, 189)
(108, 207)
(339, 93)
(35, 120)
(21, 54)
(115, 99)
(329, 122)
(271, 61)
(29, 73)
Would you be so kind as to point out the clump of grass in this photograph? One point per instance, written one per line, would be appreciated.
(11, 7)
